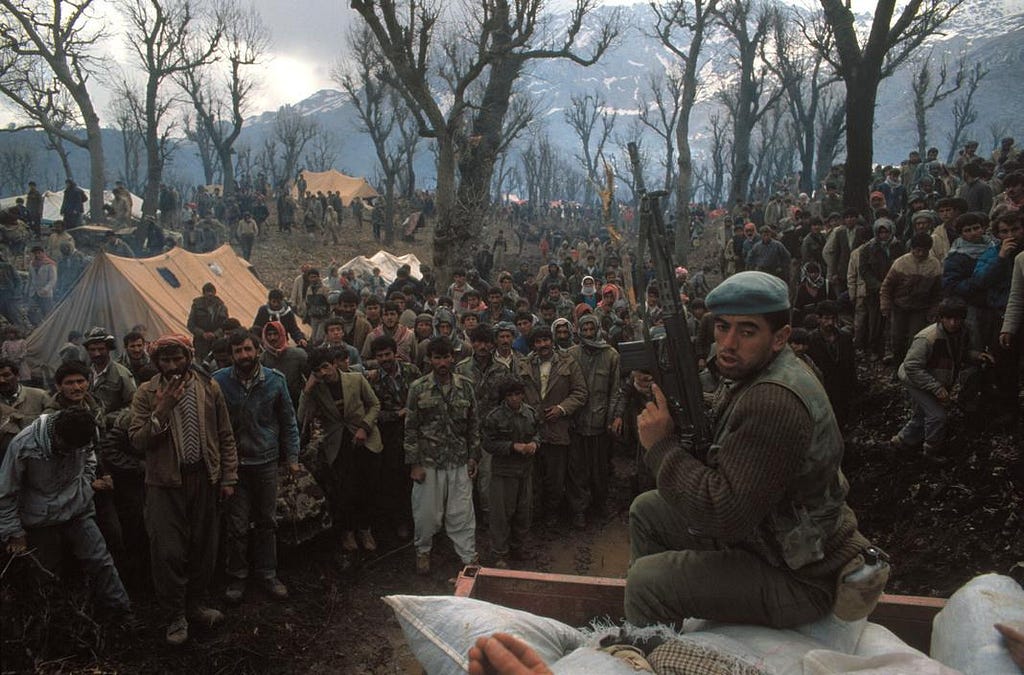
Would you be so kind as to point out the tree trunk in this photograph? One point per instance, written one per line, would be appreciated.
(97, 169)
(684, 179)
(154, 162)
(741, 168)
(446, 247)
(860, 116)
(228, 169)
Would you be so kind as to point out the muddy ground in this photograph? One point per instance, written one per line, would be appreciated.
(941, 523)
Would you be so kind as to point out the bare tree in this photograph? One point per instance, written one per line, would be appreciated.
(220, 98)
(830, 127)
(54, 33)
(17, 164)
(767, 156)
(321, 151)
(126, 105)
(997, 131)
(751, 27)
(460, 85)
(805, 77)
(931, 89)
(864, 63)
(205, 148)
(965, 112)
(592, 122)
(660, 113)
(167, 38)
(719, 151)
(381, 112)
(291, 132)
(682, 27)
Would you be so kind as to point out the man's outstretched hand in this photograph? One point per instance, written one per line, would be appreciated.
(504, 654)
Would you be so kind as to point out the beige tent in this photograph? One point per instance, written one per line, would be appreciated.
(335, 181)
(118, 293)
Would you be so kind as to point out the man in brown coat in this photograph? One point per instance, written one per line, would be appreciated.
(181, 421)
(556, 389)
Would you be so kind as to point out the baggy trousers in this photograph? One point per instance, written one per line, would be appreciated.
(255, 503)
(87, 545)
(927, 420)
(182, 526)
(511, 512)
(445, 497)
(675, 575)
(588, 471)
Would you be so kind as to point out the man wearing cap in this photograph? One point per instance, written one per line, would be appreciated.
(180, 421)
(110, 383)
(758, 531)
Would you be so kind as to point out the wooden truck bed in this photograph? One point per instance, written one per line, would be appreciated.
(575, 600)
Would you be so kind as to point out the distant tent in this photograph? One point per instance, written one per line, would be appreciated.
(52, 202)
(387, 263)
(335, 181)
(118, 293)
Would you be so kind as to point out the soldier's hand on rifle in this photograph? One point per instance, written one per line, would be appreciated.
(655, 423)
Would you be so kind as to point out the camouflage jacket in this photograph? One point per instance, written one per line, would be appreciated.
(501, 428)
(393, 392)
(441, 430)
(485, 382)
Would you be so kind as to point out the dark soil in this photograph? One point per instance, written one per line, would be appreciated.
(941, 523)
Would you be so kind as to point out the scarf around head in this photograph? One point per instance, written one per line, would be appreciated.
(806, 279)
(554, 326)
(597, 342)
(173, 339)
(588, 290)
(278, 345)
(46, 260)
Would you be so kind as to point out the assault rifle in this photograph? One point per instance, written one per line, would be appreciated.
(670, 359)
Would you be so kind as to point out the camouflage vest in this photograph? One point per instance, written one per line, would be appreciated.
(801, 523)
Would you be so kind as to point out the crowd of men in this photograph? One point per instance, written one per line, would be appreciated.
(499, 397)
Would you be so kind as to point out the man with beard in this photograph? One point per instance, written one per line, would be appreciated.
(206, 319)
(390, 326)
(762, 520)
(264, 426)
(110, 383)
(390, 383)
(135, 358)
(350, 451)
(354, 327)
(181, 422)
(504, 337)
(46, 502)
(590, 452)
(20, 405)
(556, 389)
(486, 374)
(561, 329)
(442, 449)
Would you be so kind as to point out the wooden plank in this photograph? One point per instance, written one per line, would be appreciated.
(576, 600)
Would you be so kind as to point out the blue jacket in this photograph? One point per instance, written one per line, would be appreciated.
(993, 274)
(262, 417)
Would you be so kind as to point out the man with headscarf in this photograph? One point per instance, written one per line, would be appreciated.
(561, 329)
(590, 451)
(876, 258)
(290, 361)
(180, 421)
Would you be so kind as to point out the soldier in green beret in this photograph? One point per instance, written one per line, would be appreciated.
(758, 530)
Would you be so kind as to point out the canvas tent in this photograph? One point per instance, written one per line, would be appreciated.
(118, 293)
(335, 181)
(53, 200)
(387, 262)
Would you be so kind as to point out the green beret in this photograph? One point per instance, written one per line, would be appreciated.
(748, 293)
